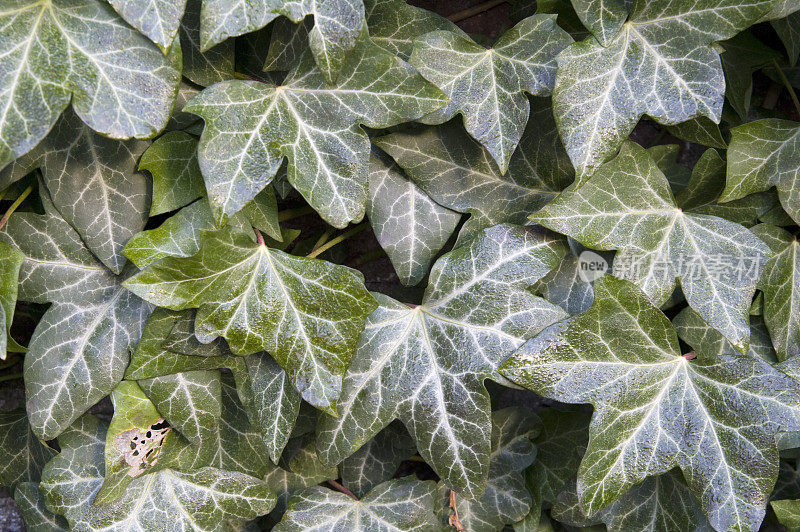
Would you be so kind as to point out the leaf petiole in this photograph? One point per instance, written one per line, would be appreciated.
(338, 487)
(341, 238)
(787, 85)
(14, 205)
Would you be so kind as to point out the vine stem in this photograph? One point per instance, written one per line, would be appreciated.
(341, 238)
(454, 521)
(787, 85)
(259, 237)
(474, 10)
(323, 238)
(291, 214)
(11, 377)
(338, 487)
(14, 205)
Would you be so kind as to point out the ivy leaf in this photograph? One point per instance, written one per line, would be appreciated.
(458, 174)
(744, 54)
(730, 406)
(601, 91)
(426, 365)
(32, 506)
(377, 460)
(63, 56)
(270, 400)
(700, 130)
(780, 284)
(488, 86)
(604, 18)
(80, 348)
(23, 455)
(400, 504)
(717, 261)
(309, 312)
(251, 127)
(763, 154)
(80, 168)
(566, 286)
(337, 25)
(788, 513)
(204, 498)
(157, 19)
(660, 503)
(10, 262)
(409, 226)
(203, 66)
(506, 499)
(786, 28)
(177, 181)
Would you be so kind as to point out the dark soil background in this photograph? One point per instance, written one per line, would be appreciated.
(363, 252)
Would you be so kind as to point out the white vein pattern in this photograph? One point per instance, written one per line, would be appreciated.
(32, 506)
(156, 19)
(337, 24)
(250, 127)
(603, 18)
(426, 365)
(80, 348)
(763, 154)
(660, 63)
(93, 183)
(627, 205)
(488, 86)
(172, 161)
(57, 51)
(403, 504)
(203, 66)
(408, 224)
(716, 417)
(377, 460)
(307, 313)
(457, 173)
(23, 455)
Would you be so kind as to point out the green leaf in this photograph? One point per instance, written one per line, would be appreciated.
(10, 262)
(199, 500)
(716, 417)
(377, 460)
(602, 91)
(189, 401)
(717, 261)
(506, 499)
(82, 168)
(287, 43)
(337, 25)
(788, 513)
(604, 18)
(22, 455)
(309, 312)
(157, 19)
(567, 286)
(763, 154)
(660, 503)
(177, 181)
(744, 54)
(203, 66)
(408, 224)
(400, 504)
(62, 55)
(780, 284)
(787, 30)
(700, 130)
(81, 346)
(251, 127)
(458, 174)
(32, 506)
(488, 86)
(425, 365)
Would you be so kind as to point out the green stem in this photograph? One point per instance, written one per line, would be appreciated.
(341, 238)
(291, 214)
(11, 377)
(474, 10)
(322, 239)
(14, 205)
(787, 85)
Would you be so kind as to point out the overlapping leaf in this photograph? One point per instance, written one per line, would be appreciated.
(157, 19)
(307, 313)
(602, 90)
(177, 181)
(32, 506)
(10, 262)
(337, 25)
(716, 416)
(81, 346)
(627, 205)
(22, 455)
(488, 86)
(458, 174)
(426, 364)
(251, 127)
(204, 66)
(58, 51)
